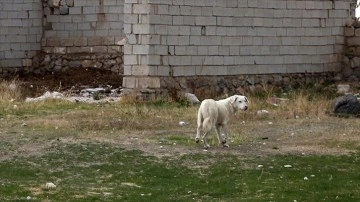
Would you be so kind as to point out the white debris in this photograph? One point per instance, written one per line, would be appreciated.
(28, 197)
(86, 96)
(270, 123)
(130, 184)
(192, 98)
(287, 166)
(50, 185)
(183, 123)
(46, 95)
(306, 178)
(262, 112)
(343, 88)
(260, 166)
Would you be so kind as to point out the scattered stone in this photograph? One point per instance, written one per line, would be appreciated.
(343, 88)
(347, 104)
(306, 178)
(50, 185)
(192, 98)
(287, 166)
(277, 101)
(262, 112)
(183, 123)
(46, 95)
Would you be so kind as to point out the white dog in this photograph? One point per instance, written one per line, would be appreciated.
(218, 113)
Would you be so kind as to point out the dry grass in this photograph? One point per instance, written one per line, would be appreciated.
(10, 91)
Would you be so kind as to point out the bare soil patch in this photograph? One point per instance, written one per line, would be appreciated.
(73, 79)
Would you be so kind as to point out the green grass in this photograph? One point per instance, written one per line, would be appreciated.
(102, 172)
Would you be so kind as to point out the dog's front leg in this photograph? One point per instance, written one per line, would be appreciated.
(225, 136)
(218, 133)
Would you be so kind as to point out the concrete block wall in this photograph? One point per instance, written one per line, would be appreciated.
(87, 33)
(169, 39)
(20, 33)
(78, 26)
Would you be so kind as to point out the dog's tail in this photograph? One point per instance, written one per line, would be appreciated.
(207, 124)
(199, 118)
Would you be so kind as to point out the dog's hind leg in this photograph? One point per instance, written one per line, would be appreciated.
(207, 125)
(199, 126)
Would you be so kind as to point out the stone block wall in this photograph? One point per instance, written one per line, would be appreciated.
(171, 39)
(351, 68)
(20, 34)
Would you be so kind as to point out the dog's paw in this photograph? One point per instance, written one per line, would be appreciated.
(225, 145)
(206, 146)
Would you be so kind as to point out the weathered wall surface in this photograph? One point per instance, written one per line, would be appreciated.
(20, 33)
(83, 33)
(53, 35)
(171, 39)
(351, 69)
(170, 44)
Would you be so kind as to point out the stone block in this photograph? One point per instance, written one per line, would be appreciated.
(353, 41)
(130, 60)
(200, 20)
(66, 42)
(141, 29)
(70, 3)
(141, 49)
(163, 71)
(53, 3)
(26, 62)
(197, 60)
(83, 41)
(357, 32)
(71, 50)
(64, 10)
(350, 31)
(143, 8)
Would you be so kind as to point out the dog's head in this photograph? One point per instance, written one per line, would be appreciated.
(239, 102)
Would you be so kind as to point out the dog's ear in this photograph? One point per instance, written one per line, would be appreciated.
(246, 100)
(233, 99)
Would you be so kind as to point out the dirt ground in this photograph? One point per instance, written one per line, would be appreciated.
(332, 135)
(73, 79)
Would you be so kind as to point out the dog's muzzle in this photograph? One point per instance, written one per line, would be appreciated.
(245, 108)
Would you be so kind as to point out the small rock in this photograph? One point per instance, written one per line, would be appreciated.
(183, 123)
(192, 98)
(347, 104)
(343, 88)
(287, 166)
(50, 185)
(306, 178)
(260, 166)
(262, 112)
